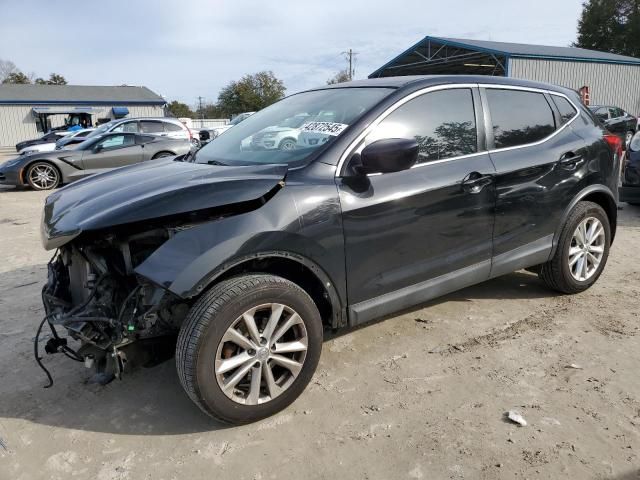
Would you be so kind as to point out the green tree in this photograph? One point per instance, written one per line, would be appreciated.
(16, 77)
(251, 93)
(56, 79)
(340, 77)
(180, 110)
(610, 26)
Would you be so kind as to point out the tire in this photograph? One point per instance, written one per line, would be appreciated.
(43, 176)
(209, 322)
(557, 273)
(627, 139)
(287, 144)
(162, 154)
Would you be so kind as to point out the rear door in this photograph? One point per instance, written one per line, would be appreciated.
(112, 151)
(175, 131)
(539, 160)
(418, 233)
(152, 127)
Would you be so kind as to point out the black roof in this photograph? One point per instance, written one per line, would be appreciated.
(421, 81)
(78, 95)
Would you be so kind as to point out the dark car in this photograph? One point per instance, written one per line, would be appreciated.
(418, 186)
(47, 170)
(617, 121)
(630, 189)
(73, 139)
(50, 137)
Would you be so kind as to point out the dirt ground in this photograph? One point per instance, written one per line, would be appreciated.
(421, 395)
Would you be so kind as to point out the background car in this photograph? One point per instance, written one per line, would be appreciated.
(630, 190)
(50, 137)
(283, 136)
(617, 121)
(158, 126)
(71, 139)
(47, 170)
(208, 134)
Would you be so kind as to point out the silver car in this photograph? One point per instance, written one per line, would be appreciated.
(158, 126)
(47, 170)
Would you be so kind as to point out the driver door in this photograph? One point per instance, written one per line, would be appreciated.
(112, 151)
(416, 234)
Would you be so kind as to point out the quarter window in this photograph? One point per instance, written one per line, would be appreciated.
(172, 127)
(442, 122)
(519, 117)
(567, 111)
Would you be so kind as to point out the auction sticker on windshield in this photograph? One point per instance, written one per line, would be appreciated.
(327, 128)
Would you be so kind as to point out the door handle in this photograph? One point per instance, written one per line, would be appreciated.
(475, 182)
(569, 160)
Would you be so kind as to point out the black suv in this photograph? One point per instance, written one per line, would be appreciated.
(398, 190)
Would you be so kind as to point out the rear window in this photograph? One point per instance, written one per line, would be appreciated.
(519, 117)
(567, 111)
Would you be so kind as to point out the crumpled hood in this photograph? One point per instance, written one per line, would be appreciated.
(150, 190)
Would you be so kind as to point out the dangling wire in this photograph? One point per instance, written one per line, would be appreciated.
(37, 354)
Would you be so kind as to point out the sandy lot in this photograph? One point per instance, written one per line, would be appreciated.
(421, 395)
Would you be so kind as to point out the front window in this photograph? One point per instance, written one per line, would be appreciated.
(321, 116)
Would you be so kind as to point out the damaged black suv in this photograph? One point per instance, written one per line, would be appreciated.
(389, 192)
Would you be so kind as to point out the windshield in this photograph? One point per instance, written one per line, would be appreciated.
(84, 145)
(238, 119)
(316, 118)
(101, 129)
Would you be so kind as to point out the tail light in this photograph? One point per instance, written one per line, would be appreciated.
(615, 143)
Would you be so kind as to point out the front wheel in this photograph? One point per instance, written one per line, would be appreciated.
(249, 347)
(43, 176)
(582, 251)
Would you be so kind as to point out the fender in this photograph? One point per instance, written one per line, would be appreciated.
(337, 307)
(591, 189)
(193, 258)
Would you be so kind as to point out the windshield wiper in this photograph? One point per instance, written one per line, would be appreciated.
(215, 162)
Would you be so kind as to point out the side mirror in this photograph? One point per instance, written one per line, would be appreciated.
(389, 155)
(98, 148)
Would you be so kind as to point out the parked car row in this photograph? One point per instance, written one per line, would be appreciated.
(617, 121)
(44, 165)
(208, 134)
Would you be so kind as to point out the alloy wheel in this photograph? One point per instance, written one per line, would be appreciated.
(43, 176)
(586, 249)
(261, 354)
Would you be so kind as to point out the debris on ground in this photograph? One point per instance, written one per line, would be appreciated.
(516, 418)
(574, 366)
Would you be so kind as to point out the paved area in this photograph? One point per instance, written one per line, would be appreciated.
(420, 395)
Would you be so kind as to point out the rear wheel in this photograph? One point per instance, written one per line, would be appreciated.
(627, 139)
(43, 176)
(249, 347)
(582, 252)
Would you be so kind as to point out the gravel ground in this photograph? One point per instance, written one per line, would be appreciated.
(420, 395)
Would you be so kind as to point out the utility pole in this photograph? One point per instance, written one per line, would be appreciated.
(351, 58)
(201, 112)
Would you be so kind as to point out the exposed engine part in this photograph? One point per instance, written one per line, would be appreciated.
(94, 294)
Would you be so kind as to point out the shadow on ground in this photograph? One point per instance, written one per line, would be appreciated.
(146, 401)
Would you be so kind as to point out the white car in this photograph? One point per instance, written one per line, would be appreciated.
(208, 134)
(282, 137)
(78, 135)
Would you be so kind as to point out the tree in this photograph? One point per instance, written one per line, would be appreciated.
(7, 67)
(180, 110)
(56, 79)
(611, 26)
(17, 77)
(251, 93)
(340, 77)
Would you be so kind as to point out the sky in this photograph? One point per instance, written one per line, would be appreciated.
(183, 49)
